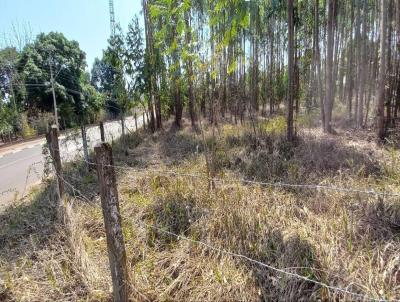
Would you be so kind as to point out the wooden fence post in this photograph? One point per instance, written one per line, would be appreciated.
(135, 121)
(112, 221)
(54, 146)
(103, 139)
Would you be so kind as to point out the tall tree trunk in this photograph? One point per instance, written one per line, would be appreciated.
(329, 68)
(150, 54)
(318, 72)
(176, 72)
(350, 72)
(271, 68)
(363, 64)
(380, 105)
(189, 69)
(358, 61)
(290, 128)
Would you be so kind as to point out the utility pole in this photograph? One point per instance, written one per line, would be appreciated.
(10, 68)
(54, 95)
(13, 95)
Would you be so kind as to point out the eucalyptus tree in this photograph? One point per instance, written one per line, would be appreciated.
(329, 95)
(150, 58)
(380, 104)
(290, 127)
(135, 61)
(115, 56)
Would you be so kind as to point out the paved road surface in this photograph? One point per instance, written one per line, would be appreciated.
(22, 166)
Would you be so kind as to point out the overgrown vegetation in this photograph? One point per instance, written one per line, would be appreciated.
(345, 239)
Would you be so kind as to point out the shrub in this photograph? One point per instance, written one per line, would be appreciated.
(26, 130)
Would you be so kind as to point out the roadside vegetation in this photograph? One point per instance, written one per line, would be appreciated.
(267, 168)
(345, 239)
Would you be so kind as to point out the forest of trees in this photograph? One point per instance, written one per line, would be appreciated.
(219, 58)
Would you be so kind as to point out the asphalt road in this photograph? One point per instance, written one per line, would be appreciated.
(22, 165)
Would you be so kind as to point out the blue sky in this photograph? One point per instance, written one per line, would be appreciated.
(86, 21)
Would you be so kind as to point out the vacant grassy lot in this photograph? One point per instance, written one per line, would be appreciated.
(345, 239)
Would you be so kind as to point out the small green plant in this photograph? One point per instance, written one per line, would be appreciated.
(274, 126)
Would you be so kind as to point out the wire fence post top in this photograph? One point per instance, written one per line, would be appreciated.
(102, 135)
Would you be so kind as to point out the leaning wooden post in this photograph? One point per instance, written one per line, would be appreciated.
(112, 221)
(54, 146)
(102, 136)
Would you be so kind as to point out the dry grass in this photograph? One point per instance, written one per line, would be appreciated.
(346, 240)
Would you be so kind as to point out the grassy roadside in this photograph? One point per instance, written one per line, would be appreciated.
(344, 239)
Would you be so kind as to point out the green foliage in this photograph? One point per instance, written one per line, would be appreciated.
(275, 126)
(26, 130)
(135, 59)
(7, 120)
(64, 56)
(115, 56)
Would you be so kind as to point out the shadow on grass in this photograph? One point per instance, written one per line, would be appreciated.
(379, 221)
(292, 254)
(234, 232)
(177, 145)
(26, 228)
(311, 159)
(32, 220)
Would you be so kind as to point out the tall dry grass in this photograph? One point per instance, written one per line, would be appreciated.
(347, 240)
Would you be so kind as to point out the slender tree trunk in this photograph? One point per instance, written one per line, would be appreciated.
(363, 70)
(350, 72)
(271, 69)
(359, 62)
(189, 69)
(380, 105)
(329, 68)
(150, 54)
(318, 62)
(290, 128)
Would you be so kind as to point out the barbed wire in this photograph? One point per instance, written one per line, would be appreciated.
(270, 184)
(270, 267)
(76, 191)
(31, 168)
(7, 191)
(240, 256)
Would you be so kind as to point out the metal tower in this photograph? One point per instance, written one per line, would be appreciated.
(112, 17)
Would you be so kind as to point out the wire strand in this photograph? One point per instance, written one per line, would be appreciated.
(271, 184)
(281, 271)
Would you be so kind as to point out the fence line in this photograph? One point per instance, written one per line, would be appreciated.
(278, 270)
(243, 257)
(270, 184)
(11, 190)
(220, 250)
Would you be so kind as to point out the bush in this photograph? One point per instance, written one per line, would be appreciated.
(26, 130)
(274, 126)
(41, 122)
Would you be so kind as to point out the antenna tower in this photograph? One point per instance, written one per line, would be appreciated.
(112, 17)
